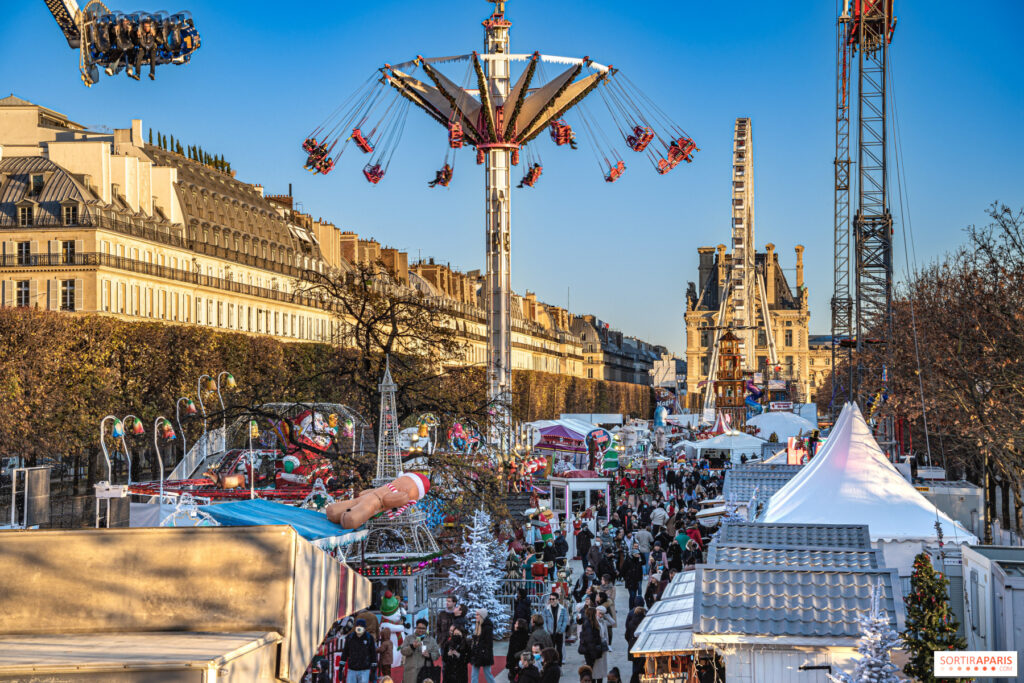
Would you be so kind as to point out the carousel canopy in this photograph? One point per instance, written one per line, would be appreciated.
(310, 524)
(783, 424)
(737, 443)
(851, 481)
(562, 432)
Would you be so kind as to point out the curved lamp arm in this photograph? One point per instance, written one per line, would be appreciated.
(229, 383)
(103, 445)
(177, 418)
(124, 442)
(170, 435)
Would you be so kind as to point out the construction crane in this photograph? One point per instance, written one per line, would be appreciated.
(864, 33)
(116, 41)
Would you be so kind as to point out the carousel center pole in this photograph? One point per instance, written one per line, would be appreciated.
(497, 198)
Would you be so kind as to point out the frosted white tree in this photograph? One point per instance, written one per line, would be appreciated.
(475, 580)
(877, 640)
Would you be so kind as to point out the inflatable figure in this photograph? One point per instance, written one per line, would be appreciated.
(659, 416)
(392, 618)
(395, 497)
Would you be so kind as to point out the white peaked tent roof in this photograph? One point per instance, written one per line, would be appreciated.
(784, 424)
(733, 441)
(851, 481)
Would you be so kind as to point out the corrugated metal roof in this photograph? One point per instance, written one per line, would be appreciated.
(680, 586)
(774, 601)
(781, 535)
(741, 481)
(794, 557)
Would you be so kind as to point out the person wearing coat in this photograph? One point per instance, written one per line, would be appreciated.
(521, 606)
(556, 622)
(455, 658)
(583, 539)
(481, 648)
(551, 671)
(592, 645)
(606, 622)
(525, 671)
(385, 653)
(632, 573)
(595, 555)
(517, 643)
(418, 650)
(360, 654)
(538, 635)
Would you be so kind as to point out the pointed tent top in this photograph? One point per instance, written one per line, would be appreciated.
(386, 383)
(851, 481)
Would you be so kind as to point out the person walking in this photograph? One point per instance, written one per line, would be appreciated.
(525, 671)
(645, 540)
(583, 542)
(594, 555)
(592, 645)
(556, 622)
(606, 622)
(481, 652)
(632, 573)
(584, 583)
(360, 654)
(445, 621)
(455, 657)
(385, 653)
(418, 651)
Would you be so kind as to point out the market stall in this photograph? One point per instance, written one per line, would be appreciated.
(573, 494)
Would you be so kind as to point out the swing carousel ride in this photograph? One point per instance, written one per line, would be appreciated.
(501, 103)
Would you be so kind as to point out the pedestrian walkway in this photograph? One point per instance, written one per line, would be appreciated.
(573, 659)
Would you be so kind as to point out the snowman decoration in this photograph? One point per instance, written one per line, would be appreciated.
(392, 617)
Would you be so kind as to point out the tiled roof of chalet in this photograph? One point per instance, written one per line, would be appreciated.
(15, 179)
(782, 535)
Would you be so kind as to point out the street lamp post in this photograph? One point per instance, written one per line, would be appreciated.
(161, 428)
(190, 409)
(117, 432)
(137, 428)
(209, 385)
(229, 383)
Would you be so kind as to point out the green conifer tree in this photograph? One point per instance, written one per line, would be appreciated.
(931, 625)
(151, 136)
(178, 149)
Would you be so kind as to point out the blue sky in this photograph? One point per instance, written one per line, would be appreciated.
(266, 76)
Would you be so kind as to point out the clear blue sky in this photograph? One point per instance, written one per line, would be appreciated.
(268, 73)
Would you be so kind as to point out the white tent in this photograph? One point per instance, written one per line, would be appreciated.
(851, 481)
(737, 443)
(783, 424)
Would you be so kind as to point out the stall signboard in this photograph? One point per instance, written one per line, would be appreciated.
(776, 385)
(780, 405)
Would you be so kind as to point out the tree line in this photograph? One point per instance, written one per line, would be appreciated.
(957, 361)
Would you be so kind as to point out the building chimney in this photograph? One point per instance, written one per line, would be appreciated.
(258, 188)
(137, 132)
(722, 272)
(770, 264)
(799, 266)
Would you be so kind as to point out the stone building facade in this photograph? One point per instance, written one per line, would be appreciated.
(788, 310)
(819, 348)
(109, 223)
(609, 354)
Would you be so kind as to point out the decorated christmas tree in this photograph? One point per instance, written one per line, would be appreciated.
(475, 580)
(931, 625)
(877, 640)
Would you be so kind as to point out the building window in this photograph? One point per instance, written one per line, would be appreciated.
(590, 373)
(762, 338)
(704, 366)
(24, 253)
(24, 216)
(21, 294)
(71, 215)
(37, 185)
(703, 337)
(67, 295)
(67, 251)
(789, 337)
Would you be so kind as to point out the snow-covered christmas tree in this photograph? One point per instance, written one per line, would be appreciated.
(877, 640)
(475, 580)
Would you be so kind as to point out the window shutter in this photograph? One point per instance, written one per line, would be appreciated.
(79, 247)
(8, 294)
(79, 294)
(51, 295)
(33, 293)
(35, 248)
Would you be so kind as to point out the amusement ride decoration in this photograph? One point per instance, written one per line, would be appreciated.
(162, 429)
(190, 409)
(500, 117)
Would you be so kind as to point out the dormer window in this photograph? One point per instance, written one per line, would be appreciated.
(36, 185)
(69, 213)
(25, 217)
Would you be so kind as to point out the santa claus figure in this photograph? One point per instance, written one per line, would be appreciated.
(392, 617)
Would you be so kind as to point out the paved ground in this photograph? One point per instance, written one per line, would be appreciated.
(573, 659)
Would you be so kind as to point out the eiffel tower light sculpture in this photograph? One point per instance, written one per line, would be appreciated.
(402, 537)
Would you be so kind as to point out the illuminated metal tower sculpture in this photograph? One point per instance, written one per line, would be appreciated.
(389, 454)
(498, 121)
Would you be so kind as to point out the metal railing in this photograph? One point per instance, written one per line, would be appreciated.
(536, 591)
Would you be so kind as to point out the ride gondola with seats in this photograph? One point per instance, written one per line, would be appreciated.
(115, 41)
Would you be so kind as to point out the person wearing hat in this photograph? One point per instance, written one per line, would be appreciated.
(360, 653)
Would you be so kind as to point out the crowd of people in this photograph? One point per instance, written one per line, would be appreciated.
(648, 538)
